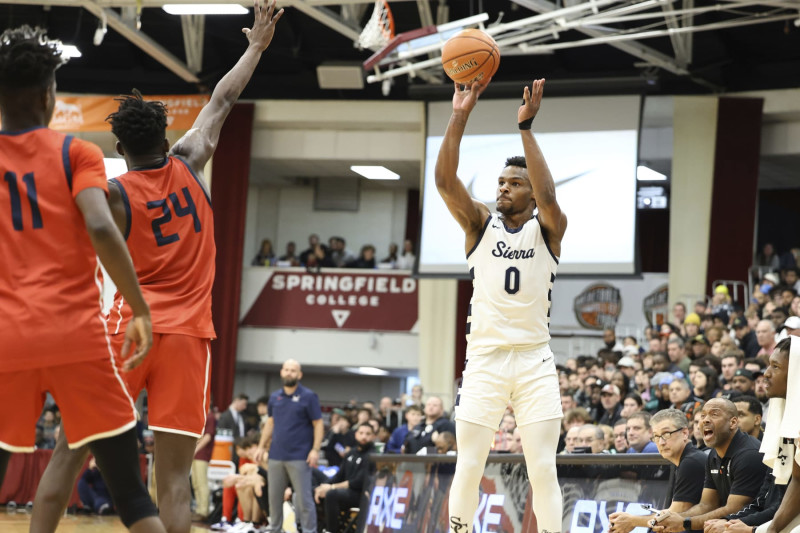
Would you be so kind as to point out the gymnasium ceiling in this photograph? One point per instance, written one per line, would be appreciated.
(717, 59)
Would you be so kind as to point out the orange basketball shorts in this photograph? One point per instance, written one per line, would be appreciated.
(176, 374)
(91, 396)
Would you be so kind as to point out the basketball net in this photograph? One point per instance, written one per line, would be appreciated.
(379, 29)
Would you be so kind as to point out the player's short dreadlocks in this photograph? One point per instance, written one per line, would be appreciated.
(28, 59)
(139, 125)
(516, 161)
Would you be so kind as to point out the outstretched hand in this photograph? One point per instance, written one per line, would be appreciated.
(531, 101)
(264, 24)
(466, 98)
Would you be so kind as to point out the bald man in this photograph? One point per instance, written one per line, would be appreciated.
(293, 435)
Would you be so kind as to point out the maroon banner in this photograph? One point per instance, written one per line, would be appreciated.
(335, 299)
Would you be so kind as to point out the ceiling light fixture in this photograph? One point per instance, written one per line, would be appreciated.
(205, 9)
(644, 173)
(366, 370)
(69, 51)
(375, 172)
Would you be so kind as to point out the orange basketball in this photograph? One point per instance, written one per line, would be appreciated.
(469, 56)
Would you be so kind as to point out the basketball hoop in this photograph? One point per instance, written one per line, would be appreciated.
(379, 29)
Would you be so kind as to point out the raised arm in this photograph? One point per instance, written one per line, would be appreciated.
(199, 143)
(470, 214)
(551, 218)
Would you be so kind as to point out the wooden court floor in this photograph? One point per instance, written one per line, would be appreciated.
(18, 523)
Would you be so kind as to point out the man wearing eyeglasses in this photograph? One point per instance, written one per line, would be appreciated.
(671, 435)
(734, 471)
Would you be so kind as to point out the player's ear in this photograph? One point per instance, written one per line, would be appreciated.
(166, 145)
(119, 149)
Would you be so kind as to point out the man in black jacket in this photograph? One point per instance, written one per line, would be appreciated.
(345, 488)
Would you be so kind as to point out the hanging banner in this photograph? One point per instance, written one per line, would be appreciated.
(351, 299)
(88, 113)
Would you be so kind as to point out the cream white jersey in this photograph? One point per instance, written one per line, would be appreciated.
(513, 271)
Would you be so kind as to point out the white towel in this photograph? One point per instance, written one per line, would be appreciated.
(783, 423)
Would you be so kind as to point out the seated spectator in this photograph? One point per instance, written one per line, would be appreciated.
(768, 257)
(750, 415)
(392, 258)
(337, 441)
(366, 259)
(677, 356)
(692, 325)
(567, 401)
(307, 255)
(407, 259)
(339, 254)
(671, 435)
(610, 399)
(434, 422)
(734, 471)
(632, 403)
(413, 416)
(344, 489)
(639, 433)
(697, 432)
(591, 439)
(571, 439)
(620, 436)
(290, 256)
(516, 442)
(704, 383)
(265, 256)
(502, 437)
(389, 413)
(576, 417)
(765, 335)
(45, 430)
(93, 492)
(743, 381)
(682, 398)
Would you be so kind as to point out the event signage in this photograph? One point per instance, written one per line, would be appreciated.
(413, 498)
(598, 306)
(88, 113)
(655, 306)
(337, 299)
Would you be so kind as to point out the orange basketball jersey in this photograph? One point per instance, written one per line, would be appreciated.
(170, 235)
(50, 297)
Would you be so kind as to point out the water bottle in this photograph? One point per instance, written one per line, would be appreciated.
(11, 507)
(29, 507)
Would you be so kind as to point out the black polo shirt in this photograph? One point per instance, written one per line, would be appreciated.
(740, 472)
(684, 479)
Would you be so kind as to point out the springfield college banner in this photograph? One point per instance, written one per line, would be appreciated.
(352, 299)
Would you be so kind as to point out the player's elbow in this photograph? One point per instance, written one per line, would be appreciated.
(100, 228)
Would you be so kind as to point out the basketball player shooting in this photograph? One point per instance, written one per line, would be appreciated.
(512, 257)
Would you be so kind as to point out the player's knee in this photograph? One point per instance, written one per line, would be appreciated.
(136, 508)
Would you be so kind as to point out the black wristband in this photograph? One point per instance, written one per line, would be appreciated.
(687, 524)
(754, 529)
(526, 124)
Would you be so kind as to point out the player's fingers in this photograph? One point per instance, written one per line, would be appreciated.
(246, 31)
(277, 17)
(126, 347)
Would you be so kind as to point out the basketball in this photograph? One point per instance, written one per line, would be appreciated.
(469, 56)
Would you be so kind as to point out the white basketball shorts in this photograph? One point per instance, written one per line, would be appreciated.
(525, 377)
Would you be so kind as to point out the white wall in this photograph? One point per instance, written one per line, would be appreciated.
(331, 389)
(285, 214)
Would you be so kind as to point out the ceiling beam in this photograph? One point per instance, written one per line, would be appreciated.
(147, 44)
(326, 17)
(646, 53)
(159, 3)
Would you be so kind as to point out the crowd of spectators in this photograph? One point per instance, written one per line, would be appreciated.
(335, 255)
